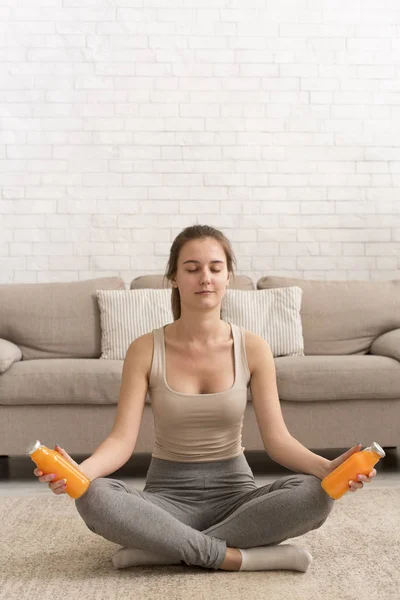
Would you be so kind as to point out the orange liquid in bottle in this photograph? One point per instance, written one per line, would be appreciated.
(336, 484)
(51, 461)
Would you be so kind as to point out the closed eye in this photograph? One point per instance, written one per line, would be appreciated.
(213, 270)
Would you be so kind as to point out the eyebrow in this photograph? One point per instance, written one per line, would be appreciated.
(198, 262)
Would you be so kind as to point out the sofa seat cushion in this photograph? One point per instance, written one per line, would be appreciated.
(62, 381)
(324, 378)
(299, 378)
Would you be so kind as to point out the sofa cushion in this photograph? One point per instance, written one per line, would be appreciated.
(62, 381)
(343, 317)
(387, 344)
(240, 282)
(54, 320)
(127, 314)
(9, 354)
(327, 378)
(272, 314)
(300, 379)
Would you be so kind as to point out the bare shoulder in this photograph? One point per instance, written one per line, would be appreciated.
(140, 351)
(257, 349)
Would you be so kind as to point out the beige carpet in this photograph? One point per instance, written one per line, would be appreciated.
(46, 552)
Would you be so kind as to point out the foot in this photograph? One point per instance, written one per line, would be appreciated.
(275, 557)
(134, 557)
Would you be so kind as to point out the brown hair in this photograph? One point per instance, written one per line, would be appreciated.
(194, 232)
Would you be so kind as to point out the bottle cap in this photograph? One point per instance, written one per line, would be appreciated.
(32, 447)
(375, 447)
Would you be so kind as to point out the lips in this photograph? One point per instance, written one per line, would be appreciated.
(204, 293)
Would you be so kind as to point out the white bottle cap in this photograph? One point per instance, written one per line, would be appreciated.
(375, 447)
(32, 447)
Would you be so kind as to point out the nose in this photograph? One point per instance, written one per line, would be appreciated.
(205, 277)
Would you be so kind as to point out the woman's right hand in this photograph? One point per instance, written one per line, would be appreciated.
(57, 487)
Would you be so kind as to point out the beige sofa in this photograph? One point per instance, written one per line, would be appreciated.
(344, 390)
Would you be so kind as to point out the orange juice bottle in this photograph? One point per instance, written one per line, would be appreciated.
(336, 484)
(51, 461)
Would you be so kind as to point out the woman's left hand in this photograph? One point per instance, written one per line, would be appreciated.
(357, 484)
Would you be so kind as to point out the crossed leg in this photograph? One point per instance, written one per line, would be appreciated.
(270, 514)
(265, 516)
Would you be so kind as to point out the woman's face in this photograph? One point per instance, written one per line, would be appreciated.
(201, 267)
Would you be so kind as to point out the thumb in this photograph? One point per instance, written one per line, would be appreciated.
(340, 459)
(352, 450)
(356, 448)
(63, 453)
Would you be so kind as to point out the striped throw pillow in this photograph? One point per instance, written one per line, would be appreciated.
(273, 314)
(127, 314)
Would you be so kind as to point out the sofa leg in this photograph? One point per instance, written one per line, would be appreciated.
(4, 465)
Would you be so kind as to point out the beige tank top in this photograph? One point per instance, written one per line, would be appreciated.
(198, 427)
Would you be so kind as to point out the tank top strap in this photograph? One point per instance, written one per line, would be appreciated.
(156, 372)
(241, 365)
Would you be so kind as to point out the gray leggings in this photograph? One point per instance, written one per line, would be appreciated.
(191, 512)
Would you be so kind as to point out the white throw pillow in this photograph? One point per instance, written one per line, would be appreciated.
(9, 354)
(127, 314)
(273, 314)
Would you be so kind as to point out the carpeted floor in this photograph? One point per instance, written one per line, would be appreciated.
(47, 552)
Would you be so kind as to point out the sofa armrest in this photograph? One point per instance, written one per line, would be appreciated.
(387, 344)
(9, 354)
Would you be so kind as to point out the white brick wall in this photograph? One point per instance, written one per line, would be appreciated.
(123, 121)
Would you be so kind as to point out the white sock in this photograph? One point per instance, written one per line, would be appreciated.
(134, 557)
(275, 557)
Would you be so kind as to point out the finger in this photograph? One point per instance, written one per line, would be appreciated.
(350, 451)
(47, 478)
(61, 450)
(64, 453)
(62, 489)
(356, 485)
(58, 486)
(355, 448)
(59, 490)
(364, 478)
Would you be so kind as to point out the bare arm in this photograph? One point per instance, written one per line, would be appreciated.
(110, 456)
(281, 446)
(117, 448)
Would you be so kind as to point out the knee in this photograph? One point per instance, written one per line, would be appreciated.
(320, 503)
(89, 504)
(92, 493)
